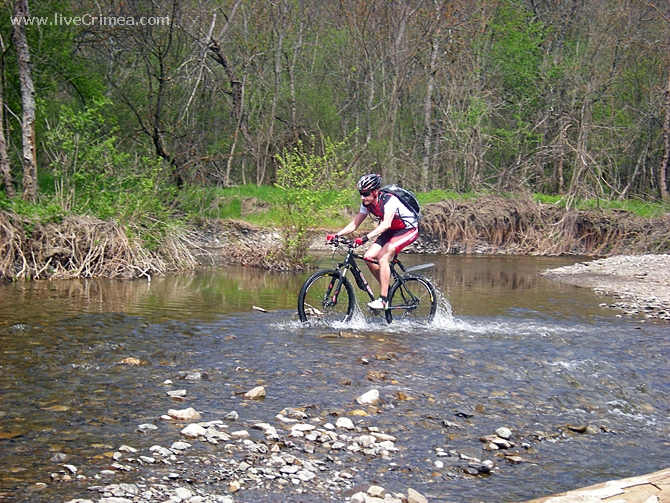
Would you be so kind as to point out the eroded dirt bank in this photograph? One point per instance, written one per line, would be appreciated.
(494, 224)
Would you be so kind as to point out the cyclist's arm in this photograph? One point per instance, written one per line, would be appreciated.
(353, 225)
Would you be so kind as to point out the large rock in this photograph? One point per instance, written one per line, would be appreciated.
(369, 398)
(255, 394)
(189, 414)
(415, 497)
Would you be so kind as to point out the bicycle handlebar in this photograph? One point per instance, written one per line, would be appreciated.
(339, 240)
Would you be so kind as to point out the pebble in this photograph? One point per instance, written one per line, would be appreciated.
(369, 398)
(147, 427)
(194, 431)
(189, 414)
(180, 446)
(345, 423)
(504, 433)
(256, 393)
(231, 416)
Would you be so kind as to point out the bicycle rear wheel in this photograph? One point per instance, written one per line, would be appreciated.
(413, 299)
(324, 298)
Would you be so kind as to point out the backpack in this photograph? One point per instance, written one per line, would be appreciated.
(407, 198)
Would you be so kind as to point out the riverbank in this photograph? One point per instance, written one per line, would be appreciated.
(639, 284)
(86, 247)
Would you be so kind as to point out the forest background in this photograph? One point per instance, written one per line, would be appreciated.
(148, 113)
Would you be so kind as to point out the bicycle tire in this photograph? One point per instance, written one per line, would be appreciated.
(413, 299)
(315, 298)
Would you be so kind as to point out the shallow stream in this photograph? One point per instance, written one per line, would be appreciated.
(508, 349)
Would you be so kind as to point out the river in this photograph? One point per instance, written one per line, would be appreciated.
(85, 363)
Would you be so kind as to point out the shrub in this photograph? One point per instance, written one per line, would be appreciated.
(311, 184)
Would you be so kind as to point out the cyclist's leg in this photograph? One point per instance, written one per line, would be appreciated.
(373, 253)
(385, 247)
(399, 240)
(386, 254)
(382, 252)
(403, 238)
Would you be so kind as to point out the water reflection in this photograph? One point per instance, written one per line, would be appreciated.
(473, 285)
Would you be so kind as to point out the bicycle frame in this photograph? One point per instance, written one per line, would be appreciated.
(349, 263)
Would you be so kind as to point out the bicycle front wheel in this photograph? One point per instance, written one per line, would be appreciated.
(413, 299)
(326, 297)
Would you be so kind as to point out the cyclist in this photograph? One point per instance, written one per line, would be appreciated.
(397, 228)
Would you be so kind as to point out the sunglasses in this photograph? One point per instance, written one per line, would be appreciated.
(365, 193)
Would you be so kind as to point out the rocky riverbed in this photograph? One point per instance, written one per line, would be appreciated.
(295, 457)
(640, 285)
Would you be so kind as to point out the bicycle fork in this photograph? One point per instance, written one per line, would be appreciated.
(331, 297)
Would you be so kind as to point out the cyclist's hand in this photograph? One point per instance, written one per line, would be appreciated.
(332, 238)
(361, 241)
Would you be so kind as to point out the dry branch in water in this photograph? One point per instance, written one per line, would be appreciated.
(82, 247)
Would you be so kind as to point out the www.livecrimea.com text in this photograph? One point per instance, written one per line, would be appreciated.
(90, 20)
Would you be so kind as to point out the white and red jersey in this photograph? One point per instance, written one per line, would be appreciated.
(386, 203)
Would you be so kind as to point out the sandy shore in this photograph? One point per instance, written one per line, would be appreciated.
(640, 285)
(651, 488)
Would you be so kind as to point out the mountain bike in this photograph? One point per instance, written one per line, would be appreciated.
(328, 295)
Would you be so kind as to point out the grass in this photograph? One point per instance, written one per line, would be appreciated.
(645, 209)
(210, 202)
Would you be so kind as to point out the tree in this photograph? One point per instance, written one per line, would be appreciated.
(5, 168)
(665, 160)
(28, 102)
(663, 174)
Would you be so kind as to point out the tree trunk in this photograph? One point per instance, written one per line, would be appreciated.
(428, 106)
(291, 74)
(28, 103)
(663, 180)
(237, 92)
(5, 168)
(282, 10)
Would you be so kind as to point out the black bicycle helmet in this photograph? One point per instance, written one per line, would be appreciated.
(369, 182)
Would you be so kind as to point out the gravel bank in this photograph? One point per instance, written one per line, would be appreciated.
(639, 284)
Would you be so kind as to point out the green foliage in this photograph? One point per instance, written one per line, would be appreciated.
(209, 202)
(516, 61)
(515, 51)
(43, 210)
(310, 180)
(92, 176)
